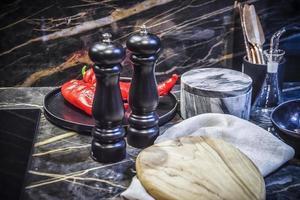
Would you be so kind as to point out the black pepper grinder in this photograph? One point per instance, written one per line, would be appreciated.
(143, 95)
(108, 144)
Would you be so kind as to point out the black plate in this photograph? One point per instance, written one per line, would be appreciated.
(63, 114)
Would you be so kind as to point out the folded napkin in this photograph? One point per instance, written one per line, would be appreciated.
(265, 150)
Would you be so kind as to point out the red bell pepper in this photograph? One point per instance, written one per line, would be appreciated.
(88, 76)
(163, 88)
(80, 93)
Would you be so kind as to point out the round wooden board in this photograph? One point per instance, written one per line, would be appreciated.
(194, 168)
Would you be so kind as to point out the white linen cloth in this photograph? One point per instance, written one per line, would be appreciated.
(265, 150)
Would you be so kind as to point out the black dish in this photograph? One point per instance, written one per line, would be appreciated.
(63, 114)
(286, 120)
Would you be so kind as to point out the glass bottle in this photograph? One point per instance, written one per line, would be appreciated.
(270, 94)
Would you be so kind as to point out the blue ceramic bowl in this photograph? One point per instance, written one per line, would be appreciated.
(286, 120)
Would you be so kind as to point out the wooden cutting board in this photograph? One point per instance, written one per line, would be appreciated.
(194, 168)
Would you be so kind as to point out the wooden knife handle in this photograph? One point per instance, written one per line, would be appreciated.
(258, 55)
(253, 56)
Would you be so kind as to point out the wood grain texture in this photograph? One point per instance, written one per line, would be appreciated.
(194, 168)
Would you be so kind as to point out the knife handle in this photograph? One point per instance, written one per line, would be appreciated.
(261, 55)
(258, 55)
(248, 51)
(253, 55)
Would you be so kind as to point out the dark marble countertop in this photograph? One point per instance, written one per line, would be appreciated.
(61, 167)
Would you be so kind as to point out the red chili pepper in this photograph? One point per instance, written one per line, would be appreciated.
(165, 87)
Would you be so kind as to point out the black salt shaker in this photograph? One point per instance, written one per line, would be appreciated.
(143, 95)
(108, 144)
